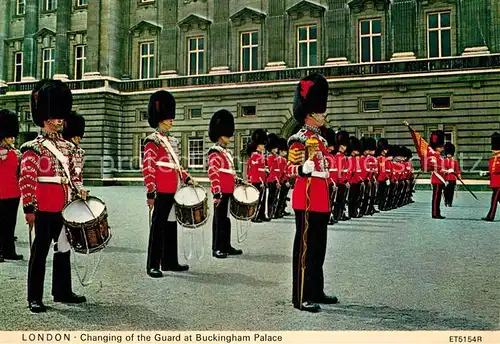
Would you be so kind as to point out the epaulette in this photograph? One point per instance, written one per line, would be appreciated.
(300, 136)
(152, 138)
(214, 149)
(34, 146)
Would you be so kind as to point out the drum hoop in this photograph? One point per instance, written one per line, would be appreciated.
(233, 199)
(104, 212)
(88, 224)
(205, 198)
(95, 249)
(205, 210)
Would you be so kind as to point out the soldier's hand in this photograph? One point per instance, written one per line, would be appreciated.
(30, 219)
(83, 194)
(217, 202)
(287, 184)
(151, 203)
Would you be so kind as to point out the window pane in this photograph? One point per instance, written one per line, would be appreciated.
(192, 44)
(445, 20)
(18, 73)
(433, 21)
(365, 49)
(302, 54)
(377, 26)
(78, 52)
(255, 38)
(245, 39)
(313, 32)
(446, 43)
(144, 67)
(192, 63)
(200, 63)
(302, 33)
(365, 27)
(377, 48)
(245, 59)
(151, 67)
(433, 44)
(78, 69)
(52, 54)
(313, 56)
(255, 58)
(19, 58)
(200, 43)
(46, 55)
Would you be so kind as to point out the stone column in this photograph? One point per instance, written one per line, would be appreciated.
(403, 15)
(219, 32)
(494, 29)
(337, 34)
(474, 27)
(4, 32)
(275, 26)
(62, 28)
(93, 38)
(30, 28)
(169, 39)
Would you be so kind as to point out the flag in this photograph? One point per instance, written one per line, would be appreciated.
(422, 148)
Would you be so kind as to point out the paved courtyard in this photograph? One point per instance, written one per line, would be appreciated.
(399, 270)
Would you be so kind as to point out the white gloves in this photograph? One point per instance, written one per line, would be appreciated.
(483, 173)
(450, 170)
(387, 182)
(308, 167)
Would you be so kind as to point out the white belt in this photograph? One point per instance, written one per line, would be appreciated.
(53, 180)
(276, 170)
(166, 164)
(262, 169)
(225, 170)
(319, 174)
(333, 170)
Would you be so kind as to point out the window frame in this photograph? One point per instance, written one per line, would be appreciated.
(370, 35)
(197, 51)
(243, 105)
(46, 5)
(188, 112)
(79, 4)
(372, 132)
(308, 42)
(150, 59)
(431, 105)
(439, 29)
(14, 76)
(200, 155)
(52, 62)
(83, 58)
(363, 101)
(18, 5)
(251, 46)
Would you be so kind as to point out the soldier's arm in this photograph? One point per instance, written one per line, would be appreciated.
(296, 158)
(214, 164)
(75, 176)
(149, 168)
(28, 180)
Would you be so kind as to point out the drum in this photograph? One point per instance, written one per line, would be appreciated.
(191, 206)
(86, 224)
(244, 202)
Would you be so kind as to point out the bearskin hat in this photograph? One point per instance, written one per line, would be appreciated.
(283, 144)
(272, 142)
(221, 124)
(311, 96)
(251, 147)
(331, 138)
(343, 138)
(437, 139)
(495, 141)
(9, 124)
(259, 137)
(354, 144)
(74, 126)
(368, 143)
(50, 99)
(449, 148)
(161, 107)
(406, 152)
(382, 144)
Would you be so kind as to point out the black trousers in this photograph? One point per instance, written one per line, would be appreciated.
(221, 226)
(340, 203)
(262, 200)
(8, 219)
(162, 246)
(272, 199)
(381, 194)
(437, 192)
(282, 199)
(365, 200)
(449, 192)
(354, 196)
(47, 229)
(495, 199)
(332, 192)
(313, 249)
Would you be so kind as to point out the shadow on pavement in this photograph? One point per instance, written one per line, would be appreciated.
(267, 258)
(223, 278)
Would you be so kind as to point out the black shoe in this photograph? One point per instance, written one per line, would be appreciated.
(308, 307)
(286, 213)
(487, 219)
(177, 268)
(71, 298)
(155, 273)
(328, 299)
(1, 259)
(219, 254)
(13, 256)
(266, 219)
(37, 307)
(15, 238)
(234, 252)
(256, 220)
(439, 217)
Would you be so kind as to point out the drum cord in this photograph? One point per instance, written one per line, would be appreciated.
(192, 233)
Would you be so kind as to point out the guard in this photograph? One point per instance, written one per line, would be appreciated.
(494, 172)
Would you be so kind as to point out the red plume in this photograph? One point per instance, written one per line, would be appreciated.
(158, 106)
(305, 85)
(434, 138)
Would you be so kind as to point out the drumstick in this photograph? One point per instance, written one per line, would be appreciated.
(30, 235)
(85, 202)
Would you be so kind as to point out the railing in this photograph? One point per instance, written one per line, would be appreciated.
(288, 74)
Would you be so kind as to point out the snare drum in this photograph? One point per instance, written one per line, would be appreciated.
(244, 202)
(86, 224)
(191, 206)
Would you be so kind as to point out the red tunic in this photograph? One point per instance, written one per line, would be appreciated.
(9, 181)
(450, 163)
(43, 182)
(494, 168)
(274, 168)
(332, 169)
(343, 168)
(159, 169)
(221, 170)
(282, 167)
(355, 171)
(256, 168)
(435, 164)
(316, 196)
(371, 166)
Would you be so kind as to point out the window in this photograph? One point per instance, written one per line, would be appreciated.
(81, 2)
(194, 113)
(20, 7)
(370, 105)
(27, 116)
(48, 63)
(248, 110)
(143, 115)
(147, 60)
(195, 155)
(375, 133)
(245, 139)
(307, 46)
(439, 34)
(370, 40)
(18, 66)
(249, 51)
(440, 103)
(50, 5)
(448, 136)
(80, 61)
(196, 53)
